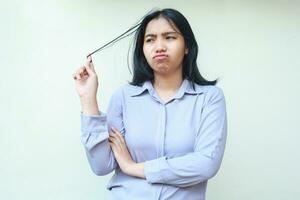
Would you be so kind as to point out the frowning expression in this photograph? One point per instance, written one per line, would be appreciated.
(164, 46)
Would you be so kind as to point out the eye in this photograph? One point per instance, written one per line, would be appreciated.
(149, 40)
(170, 37)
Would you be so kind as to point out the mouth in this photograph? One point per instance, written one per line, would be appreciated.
(160, 57)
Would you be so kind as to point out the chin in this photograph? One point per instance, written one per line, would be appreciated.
(161, 66)
(162, 70)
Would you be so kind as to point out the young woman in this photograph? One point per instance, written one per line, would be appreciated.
(164, 133)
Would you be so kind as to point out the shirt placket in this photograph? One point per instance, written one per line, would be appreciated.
(161, 131)
(160, 138)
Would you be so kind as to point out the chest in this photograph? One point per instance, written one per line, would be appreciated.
(155, 130)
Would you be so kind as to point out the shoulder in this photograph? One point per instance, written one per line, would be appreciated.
(210, 92)
(208, 89)
(126, 90)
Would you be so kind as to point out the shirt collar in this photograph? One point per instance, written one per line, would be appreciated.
(138, 90)
(185, 88)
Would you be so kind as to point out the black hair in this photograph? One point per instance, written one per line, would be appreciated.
(141, 69)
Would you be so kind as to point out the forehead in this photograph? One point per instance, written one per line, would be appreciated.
(160, 25)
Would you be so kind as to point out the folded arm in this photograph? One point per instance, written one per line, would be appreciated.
(204, 162)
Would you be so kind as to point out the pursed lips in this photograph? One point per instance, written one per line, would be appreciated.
(160, 56)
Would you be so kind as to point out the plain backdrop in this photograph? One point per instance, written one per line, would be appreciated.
(252, 46)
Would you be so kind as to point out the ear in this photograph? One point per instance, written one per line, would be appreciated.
(186, 51)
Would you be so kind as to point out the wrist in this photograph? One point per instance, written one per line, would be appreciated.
(88, 99)
(89, 106)
(135, 169)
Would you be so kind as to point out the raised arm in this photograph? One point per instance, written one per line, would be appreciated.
(95, 124)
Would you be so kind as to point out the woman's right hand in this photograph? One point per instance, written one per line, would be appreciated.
(86, 81)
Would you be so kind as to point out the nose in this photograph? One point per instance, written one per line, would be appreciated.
(160, 46)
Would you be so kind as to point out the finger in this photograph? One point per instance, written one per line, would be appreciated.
(78, 77)
(112, 145)
(89, 70)
(111, 140)
(74, 76)
(118, 134)
(116, 130)
(119, 144)
(80, 69)
(91, 64)
(83, 72)
(114, 139)
(120, 138)
(112, 134)
(79, 73)
(115, 146)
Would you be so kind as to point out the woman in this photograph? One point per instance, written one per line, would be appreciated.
(164, 133)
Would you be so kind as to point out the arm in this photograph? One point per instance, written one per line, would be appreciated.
(95, 135)
(204, 162)
(123, 157)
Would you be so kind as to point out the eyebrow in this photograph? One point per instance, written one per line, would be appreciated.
(164, 34)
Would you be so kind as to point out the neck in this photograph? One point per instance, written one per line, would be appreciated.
(167, 83)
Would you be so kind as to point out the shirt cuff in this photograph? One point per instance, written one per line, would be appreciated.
(154, 170)
(93, 123)
(93, 130)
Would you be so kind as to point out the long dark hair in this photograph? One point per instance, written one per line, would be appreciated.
(141, 69)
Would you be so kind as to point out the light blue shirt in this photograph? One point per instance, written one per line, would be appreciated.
(181, 142)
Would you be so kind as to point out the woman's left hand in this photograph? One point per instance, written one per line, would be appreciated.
(122, 155)
(119, 148)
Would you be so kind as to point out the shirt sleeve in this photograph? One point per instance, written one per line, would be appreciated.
(204, 162)
(95, 133)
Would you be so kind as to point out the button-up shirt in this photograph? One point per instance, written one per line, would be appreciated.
(181, 142)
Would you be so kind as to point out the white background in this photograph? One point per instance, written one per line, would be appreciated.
(252, 46)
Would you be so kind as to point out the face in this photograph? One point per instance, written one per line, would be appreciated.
(164, 47)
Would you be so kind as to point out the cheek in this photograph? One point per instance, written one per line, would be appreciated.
(177, 48)
(178, 55)
(146, 53)
(181, 51)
